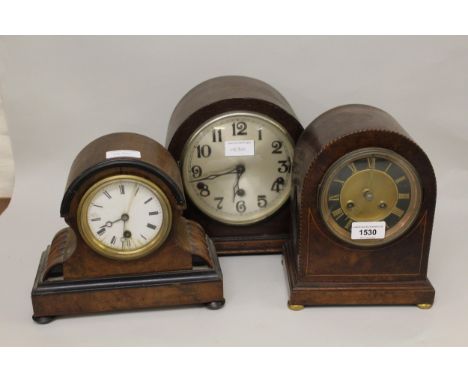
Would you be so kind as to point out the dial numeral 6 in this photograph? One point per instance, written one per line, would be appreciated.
(240, 206)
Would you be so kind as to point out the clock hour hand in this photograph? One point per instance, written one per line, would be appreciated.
(109, 224)
(240, 169)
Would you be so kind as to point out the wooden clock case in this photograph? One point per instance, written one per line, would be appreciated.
(4, 202)
(73, 279)
(214, 97)
(323, 270)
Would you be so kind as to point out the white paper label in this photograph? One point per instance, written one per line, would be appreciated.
(367, 230)
(239, 148)
(123, 153)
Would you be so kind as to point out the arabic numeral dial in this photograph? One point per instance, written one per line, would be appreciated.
(236, 167)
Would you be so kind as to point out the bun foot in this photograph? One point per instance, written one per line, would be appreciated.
(295, 307)
(424, 306)
(43, 319)
(215, 305)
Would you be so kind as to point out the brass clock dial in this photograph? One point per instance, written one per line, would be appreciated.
(236, 167)
(370, 185)
(124, 217)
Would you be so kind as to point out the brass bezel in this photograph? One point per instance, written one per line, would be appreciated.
(113, 253)
(193, 137)
(405, 222)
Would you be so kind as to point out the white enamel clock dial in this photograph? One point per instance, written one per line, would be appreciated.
(124, 217)
(236, 167)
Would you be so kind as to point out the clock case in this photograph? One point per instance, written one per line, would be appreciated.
(218, 96)
(324, 270)
(73, 279)
(4, 202)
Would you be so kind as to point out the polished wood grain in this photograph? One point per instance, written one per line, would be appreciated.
(73, 279)
(142, 291)
(317, 261)
(217, 96)
(91, 164)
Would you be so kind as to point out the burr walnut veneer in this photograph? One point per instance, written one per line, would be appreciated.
(73, 278)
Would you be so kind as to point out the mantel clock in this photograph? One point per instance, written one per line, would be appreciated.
(234, 138)
(127, 245)
(363, 207)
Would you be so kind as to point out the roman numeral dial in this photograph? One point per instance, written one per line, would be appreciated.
(124, 217)
(237, 167)
(370, 185)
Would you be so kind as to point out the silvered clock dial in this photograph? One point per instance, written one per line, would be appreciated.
(233, 138)
(236, 167)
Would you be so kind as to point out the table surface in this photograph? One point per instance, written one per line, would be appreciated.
(61, 92)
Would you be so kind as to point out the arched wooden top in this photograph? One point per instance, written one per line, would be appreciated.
(336, 125)
(92, 159)
(223, 94)
(336, 133)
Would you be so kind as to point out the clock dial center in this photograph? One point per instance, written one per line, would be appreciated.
(366, 195)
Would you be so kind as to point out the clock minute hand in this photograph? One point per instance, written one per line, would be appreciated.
(214, 176)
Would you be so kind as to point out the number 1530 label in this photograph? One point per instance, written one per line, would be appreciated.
(367, 230)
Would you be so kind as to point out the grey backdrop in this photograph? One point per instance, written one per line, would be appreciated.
(61, 92)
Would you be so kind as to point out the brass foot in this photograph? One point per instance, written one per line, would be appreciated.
(424, 306)
(295, 307)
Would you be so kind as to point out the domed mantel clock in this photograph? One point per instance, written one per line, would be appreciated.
(234, 138)
(363, 208)
(127, 245)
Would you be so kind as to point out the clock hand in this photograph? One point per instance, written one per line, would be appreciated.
(214, 176)
(127, 235)
(240, 169)
(130, 202)
(109, 224)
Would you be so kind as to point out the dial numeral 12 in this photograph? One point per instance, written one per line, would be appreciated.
(239, 128)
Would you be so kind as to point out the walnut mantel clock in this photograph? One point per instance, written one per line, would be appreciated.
(234, 140)
(127, 245)
(363, 208)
